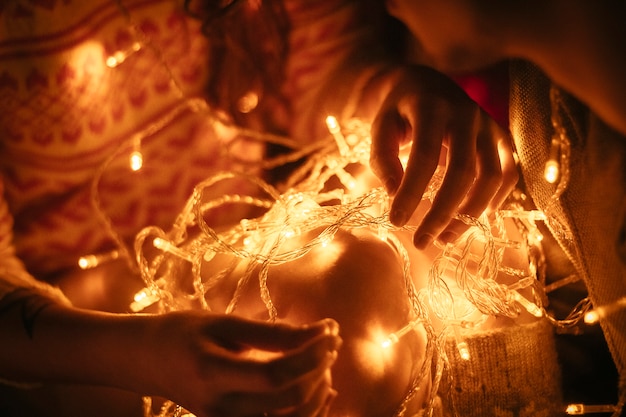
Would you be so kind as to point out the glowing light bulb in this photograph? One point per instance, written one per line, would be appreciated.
(346, 179)
(143, 299)
(552, 171)
(332, 124)
(92, 261)
(593, 316)
(166, 246)
(87, 262)
(325, 241)
(118, 57)
(136, 160)
(580, 409)
(248, 102)
(461, 345)
(530, 307)
(394, 338)
(463, 349)
(335, 130)
(209, 254)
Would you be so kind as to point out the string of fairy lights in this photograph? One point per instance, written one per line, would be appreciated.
(465, 280)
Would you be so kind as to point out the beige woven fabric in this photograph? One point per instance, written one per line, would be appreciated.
(512, 372)
(588, 219)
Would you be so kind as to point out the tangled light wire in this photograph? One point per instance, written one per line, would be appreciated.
(463, 284)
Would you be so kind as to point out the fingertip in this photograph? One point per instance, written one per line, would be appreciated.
(448, 236)
(423, 241)
(398, 217)
(331, 327)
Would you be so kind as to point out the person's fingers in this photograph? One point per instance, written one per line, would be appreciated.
(319, 402)
(387, 131)
(427, 135)
(486, 185)
(237, 332)
(457, 181)
(510, 174)
(306, 393)
(330, 398)
(259, 374)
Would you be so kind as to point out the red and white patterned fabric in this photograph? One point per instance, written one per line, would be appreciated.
(64, 114)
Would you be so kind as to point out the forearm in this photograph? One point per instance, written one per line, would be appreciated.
(44, 341)
(579, 45)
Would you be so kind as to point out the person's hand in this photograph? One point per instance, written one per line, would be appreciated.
(216, 365)
(428, 109)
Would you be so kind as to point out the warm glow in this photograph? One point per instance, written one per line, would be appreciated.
(332, 124)
(347, 180)
(166, 246)
(118, 57)
(390, 341)
(530, 307)
(575, 409)
(374, 353)
(551, 172)
(394, 338)
(592, 317)
(463, 349)
(335, 130)
(143, 299)
(92, 261)
(580, 409)
(455, 277)
(140, 296)
(248, 102)
(136, 160)
(89, 261)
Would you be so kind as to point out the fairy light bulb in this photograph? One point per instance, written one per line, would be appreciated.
(144, 299)
(394, 338)
(118, 57)
(463, 349)
(346, 179)
(94, 260)
(461, 345)
(530, 307)
(581, 409)
(136, 160)
(391, 340)
(594, 316)
(335, 130)
(167, 246)
(552, 171)
(248, 102)
(88, 262)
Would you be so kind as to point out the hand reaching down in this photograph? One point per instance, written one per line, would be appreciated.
(428, 110)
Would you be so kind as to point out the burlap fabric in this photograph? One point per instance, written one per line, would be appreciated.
(588, 220)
